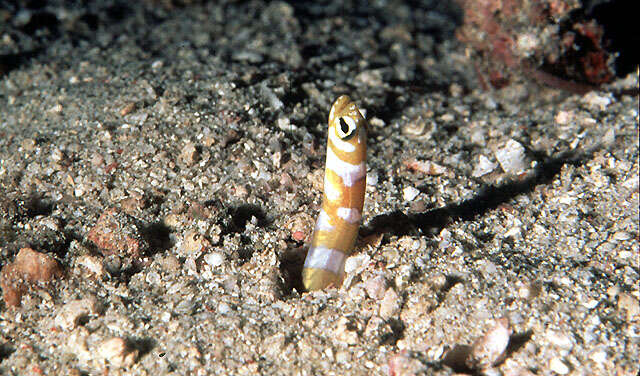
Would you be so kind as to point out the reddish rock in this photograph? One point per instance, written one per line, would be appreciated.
(28, 269)
(491, 348)
(118, 233)
(486, 352)
(403, 364)
(300, 226)
(425, 167)
(552, 41)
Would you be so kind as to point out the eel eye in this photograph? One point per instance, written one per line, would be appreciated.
(346, 127)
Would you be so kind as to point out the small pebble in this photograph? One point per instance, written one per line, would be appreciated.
(356, 263)
(564, 117)
(269, 95)
(377, 122)
(622, 235)
(118, 233)
(527, 44)
(512, 157)
(375, 287)
(598, 356)
(57, 155)
(301, 226)
(72, 313)
(559, 339)
(483, 167)
(410, 193)
(28, 144)
(529, 291)
(595, 101)
(194, 244)
(285, 124)
(248, 56)
(224, 308)
(214, 259)
(557, 365)
(390, 304)
(489, 349)
(28, 268)
(402, 364)
(344, 334)
(117, 352)
(371, 78)
(372, 178)
(93, 264)
(128, 109)
(455, 90)
(189, 155)
(447, 118)
(417, 127)
(157, 64)
(425, 167)
(629, 304)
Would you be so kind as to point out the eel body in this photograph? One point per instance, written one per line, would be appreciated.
(337, 225)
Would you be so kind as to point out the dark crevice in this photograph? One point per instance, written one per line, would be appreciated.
(42, 20)
(242, 214)
(618, 19)
(5, 351)
(157, 235)
(397, 332)
(517, 341)
(38, 205)
(143, 345)
(291, 264)
(10, 62)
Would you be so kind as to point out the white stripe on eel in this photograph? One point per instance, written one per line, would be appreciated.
(325, 258)
(350, 215)
(323, 223)
(348, 172)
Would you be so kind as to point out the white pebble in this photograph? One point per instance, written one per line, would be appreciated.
(157, 64)
(214, 259)
(73, 312)
(483, 167)
(93, 264)
(564, 117)
(527, 44)
(356, 263)
(622, 235)
(511, 157)
(489, 349)
(375, 287)
(595, 101)
(117, 352)
(377, 122)
(344, 334)
(390, 304)
(410, 193)
(559, 339)
(285, 124)
(372, 178)
(598, 356)
(165, 316)
(556, 365)
(223, 308)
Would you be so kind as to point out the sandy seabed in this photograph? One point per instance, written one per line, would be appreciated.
(170, 161)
